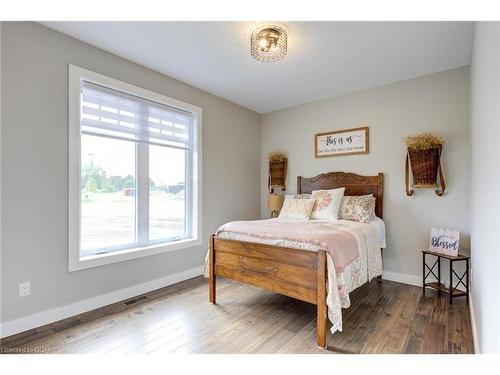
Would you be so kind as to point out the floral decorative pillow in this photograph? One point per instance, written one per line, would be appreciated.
(358, 208)
(297, 208)
(327, 203)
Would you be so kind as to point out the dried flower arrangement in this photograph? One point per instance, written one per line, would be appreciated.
(277, 156)
(424, 141)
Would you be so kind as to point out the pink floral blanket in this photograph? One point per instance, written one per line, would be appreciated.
(339, 243)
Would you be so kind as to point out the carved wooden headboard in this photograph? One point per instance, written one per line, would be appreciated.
(354, 185)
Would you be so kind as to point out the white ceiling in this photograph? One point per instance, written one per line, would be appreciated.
(324, 59)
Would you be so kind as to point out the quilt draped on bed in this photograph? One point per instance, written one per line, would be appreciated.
(353, 254)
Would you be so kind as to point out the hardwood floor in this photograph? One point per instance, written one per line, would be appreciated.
(384, 317)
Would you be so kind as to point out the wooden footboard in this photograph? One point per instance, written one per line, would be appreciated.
(295, 273)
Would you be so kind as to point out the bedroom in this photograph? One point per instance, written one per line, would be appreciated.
(309, 245)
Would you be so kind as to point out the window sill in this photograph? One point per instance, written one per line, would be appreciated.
(129, 254)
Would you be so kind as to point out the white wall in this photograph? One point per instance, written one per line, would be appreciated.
(485, 226)
(35, 170)
(437, 103)
(0, 164)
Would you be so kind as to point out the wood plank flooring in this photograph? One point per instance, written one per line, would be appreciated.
(384, 317)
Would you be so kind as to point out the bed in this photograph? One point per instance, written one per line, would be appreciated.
(302, 273)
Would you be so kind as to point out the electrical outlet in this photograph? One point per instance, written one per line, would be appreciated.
(24, 289)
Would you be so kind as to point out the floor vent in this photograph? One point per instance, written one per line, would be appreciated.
(134, 300)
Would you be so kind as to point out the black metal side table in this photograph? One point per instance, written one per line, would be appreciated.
(452, 291)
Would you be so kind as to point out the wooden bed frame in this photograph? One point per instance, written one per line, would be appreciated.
(295, 273)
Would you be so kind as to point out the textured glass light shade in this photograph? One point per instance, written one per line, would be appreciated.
(268, 43)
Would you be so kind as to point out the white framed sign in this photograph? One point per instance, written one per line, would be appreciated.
(444, 241)
(342, 142)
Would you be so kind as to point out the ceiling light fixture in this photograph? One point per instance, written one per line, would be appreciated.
(268, 43)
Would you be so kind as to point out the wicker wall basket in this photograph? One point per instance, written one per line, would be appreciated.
(425, 169)
(278, 164)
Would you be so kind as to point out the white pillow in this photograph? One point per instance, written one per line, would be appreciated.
(297, 208)
(327, 204)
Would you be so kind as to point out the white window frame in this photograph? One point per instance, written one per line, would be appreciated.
(76, 75)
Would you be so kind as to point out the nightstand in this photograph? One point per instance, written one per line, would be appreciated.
(452, 291)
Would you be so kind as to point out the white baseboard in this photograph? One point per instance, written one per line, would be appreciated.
(13, 327)
(402, 278)
(475, 340)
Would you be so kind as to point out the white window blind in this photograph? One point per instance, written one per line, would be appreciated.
(110, 113)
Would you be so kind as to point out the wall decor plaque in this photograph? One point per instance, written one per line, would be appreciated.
(341, 142)
(444, 241)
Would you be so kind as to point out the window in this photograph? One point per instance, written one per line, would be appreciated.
(134, 171)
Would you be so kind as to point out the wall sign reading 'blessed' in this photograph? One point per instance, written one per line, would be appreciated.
(444, 241)
(342, 142)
